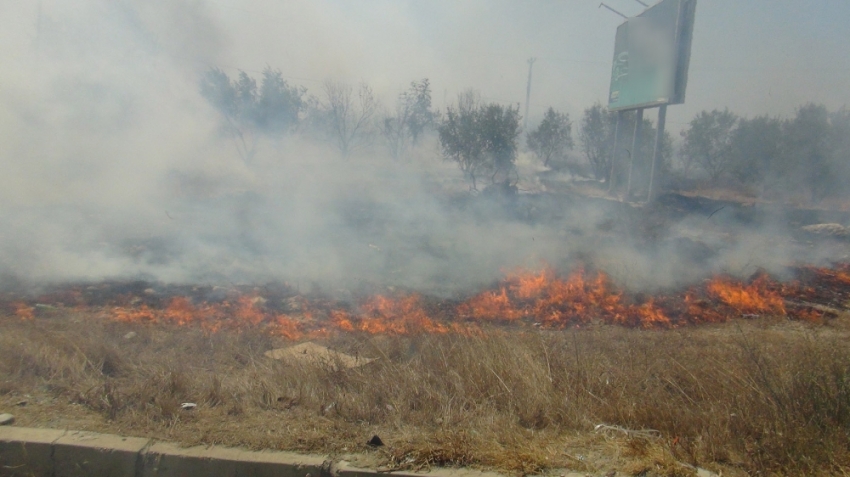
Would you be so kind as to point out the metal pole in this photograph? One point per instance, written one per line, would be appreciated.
(528, 94)
(613, 178)
(615, 11)
(634, 152)
(656, 155)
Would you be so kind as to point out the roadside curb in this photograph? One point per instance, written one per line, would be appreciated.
(56, 453)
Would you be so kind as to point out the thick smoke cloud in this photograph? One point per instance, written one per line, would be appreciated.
(114, 166)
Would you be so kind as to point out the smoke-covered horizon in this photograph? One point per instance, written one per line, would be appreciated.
(115, 165)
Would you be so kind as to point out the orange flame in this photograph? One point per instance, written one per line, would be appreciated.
(286, 327)
(753, 298)
(24, 311)
(543, 297)
(490, 306)
(556, 302)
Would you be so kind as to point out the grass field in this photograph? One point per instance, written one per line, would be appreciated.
(757, 397)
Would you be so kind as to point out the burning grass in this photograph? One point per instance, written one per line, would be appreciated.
(542, 299)
(766, 396)
(516, 378)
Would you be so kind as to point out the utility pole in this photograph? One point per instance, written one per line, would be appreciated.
(528, 94)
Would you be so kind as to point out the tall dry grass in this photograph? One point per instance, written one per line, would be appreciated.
(766, 397)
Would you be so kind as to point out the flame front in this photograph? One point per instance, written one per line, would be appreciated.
(754, 298)
(557, 303)
(541, 299)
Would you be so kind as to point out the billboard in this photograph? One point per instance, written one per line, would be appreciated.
(651, 56)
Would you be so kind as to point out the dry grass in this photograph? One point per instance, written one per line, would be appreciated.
(760, 398)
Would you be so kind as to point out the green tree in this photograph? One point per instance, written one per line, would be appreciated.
(418, 99)
(246, 96)
(273, 108)
(220, 92)
(552, 138)
(708, 143)
(279, 106)
(412, 116)
(597, 138)
(840, 150)
(480, 138)
(755, 149)
(235, 101)
(806, 151)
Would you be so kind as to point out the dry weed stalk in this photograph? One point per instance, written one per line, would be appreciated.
(757, 397)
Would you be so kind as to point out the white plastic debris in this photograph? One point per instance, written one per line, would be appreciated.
(188, 406)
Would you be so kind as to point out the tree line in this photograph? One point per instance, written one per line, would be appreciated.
(348, 116)
(810, 151)
(482, 138)
(807, 155)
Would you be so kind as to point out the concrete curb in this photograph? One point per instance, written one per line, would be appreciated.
(56, 453)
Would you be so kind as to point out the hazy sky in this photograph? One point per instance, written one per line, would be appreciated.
(751, 56)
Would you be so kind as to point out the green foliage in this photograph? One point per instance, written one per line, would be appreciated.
(807, 153)
(417, 101)
(220, 92)
(598, 127)
(278, 104)
(755, 148)
(481, 138)
(274, 108)
(412, 117)
(597, 139)
(552, 138)
(708, 143)
(806, 150)
(840, 150)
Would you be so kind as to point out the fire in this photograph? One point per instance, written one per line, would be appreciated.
(24, 311)
(138, 315)
(181, 311)
(543, 299)
(531, 285)
(754, 298)
(404, 315)
(286, 327)
(840, 274)
(701, 310)
(488, 305)
(555, 302)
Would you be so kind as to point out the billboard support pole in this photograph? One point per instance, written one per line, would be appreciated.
(634, 152)
(656, 155)
(613, 177)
